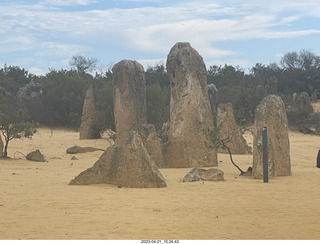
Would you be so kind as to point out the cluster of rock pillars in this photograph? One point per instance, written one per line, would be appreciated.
(138, 153)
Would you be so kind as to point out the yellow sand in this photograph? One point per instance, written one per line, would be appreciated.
(37, 203)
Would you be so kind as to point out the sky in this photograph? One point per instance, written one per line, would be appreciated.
(40, 35)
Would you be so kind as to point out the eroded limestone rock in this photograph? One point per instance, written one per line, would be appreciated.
(36, 156)
(128, 165)
(197, 174)
(89, 128)
(271, 113)
(130, 109)
(230, 132)
(190, 111)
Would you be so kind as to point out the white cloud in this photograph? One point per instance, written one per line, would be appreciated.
(51, 32)
(66, 2)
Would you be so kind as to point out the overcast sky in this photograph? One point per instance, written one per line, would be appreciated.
(42, 34)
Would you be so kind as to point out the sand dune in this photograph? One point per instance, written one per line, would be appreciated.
(37, 203)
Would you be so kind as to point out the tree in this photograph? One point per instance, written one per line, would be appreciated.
(12, 78)
(304, 60)
(83, 64)
(13, 123)
(63, 96)
(158, 95)
(103, 91)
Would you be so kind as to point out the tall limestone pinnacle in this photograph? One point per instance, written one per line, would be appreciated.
(190, 111)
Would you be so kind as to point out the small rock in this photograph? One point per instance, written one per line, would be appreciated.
(36, 156)
(74, 158)
(77, 149)
(197, 174)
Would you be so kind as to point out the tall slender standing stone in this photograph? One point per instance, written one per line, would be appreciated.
(271, 113)
(130, 109)
(190, 112)
(89, 128)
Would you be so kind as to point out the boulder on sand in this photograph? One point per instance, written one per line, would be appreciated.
(36, 156)
(197, 174)
(77, 149)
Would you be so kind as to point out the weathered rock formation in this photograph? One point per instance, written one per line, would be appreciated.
(89, 128)
(230, 132)
(197, 174)
(302, 103)
(213, 98)
(153, 144)
(130, 109)
(271, 113)
(36, 156)
(128, 165)
(190, 112)
(78, 149)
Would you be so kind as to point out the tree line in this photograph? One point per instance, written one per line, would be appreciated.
(63, 91)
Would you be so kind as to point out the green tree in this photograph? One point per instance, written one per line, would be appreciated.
(12, 78)
(103, 90)
(83, 65)
(13, 123)
(63, 95)
(158, 95)
(158, 105)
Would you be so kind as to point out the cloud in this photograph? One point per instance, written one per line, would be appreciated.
(53, 32)
(66, 2)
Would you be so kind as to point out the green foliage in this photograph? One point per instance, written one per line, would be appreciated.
(83, 65)
(103, 90)
(158, 104)
(13, 77)
(13, 123)
(158, 96)
(63, 96)
(157, 75)
(64, 90)
(300, 72)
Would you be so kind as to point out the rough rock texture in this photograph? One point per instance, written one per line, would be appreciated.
(77, 149)
(130, 110)
(153, 144)
(190, 111)
(197, 174)
(36, 156)
(302, 103)
(213, 98)
(271, 113)
(1, 147)
(164, 133)
(89, 128)
(128, 165)
(229, 130)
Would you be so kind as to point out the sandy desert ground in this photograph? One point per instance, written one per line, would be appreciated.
(37, 203)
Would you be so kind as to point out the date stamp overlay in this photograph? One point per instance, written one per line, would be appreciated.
(159, 241)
